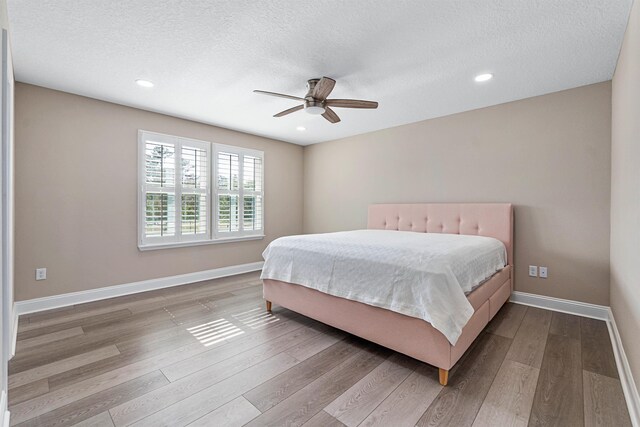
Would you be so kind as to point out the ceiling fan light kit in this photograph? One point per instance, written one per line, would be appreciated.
(315, 102)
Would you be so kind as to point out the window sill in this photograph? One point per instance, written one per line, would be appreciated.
(199, 243)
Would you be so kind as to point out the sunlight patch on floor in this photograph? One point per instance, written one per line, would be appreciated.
(256, 318)
(215, 331)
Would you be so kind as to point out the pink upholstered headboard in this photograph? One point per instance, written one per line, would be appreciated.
(481, 219)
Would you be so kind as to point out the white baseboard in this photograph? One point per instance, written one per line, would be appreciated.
(600, 312)
(624, 372)
(4, 413)
(14, 333)
(65, 300)
(578, 308)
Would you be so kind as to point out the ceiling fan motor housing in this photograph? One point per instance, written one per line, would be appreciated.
(313, 106)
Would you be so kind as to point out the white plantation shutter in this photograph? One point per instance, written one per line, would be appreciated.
(159, 189)
(228, 194)
(176, 204)
(239, 181)
(174, 189)
(195, 189)
(252, 197)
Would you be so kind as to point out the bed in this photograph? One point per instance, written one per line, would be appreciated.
(406, 334)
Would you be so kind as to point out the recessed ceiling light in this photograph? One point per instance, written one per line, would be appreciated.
(301, 128)
(483, 77)
(144, 83)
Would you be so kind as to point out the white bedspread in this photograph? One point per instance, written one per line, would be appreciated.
(423, 275)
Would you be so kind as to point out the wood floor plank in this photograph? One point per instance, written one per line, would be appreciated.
(96, 368)
(406, 404)
(28, 391)
(153, 347)
(83, 373)
(150, 319)
(558, 399)
(507, 321)
(180, 307)
(159, 324)
(97, 403)
(355, 404)
(66, 395)
(190, 308)
(199, 404)
(253, 290)
(566, 325)
(604, 403)
(236, 413)
(101, 420)
(150, 340)
(60, 366)
(143, 406)
(322, 419)
(76, 345)
(240, 344)
(510, 397)
(315, 345)
(83, 321)
(56, 314)
(208, 306)
(48, 338)
(154, 322)
(459, 402)
(304, 404)
(274, 391)
(75, 317)
(528, 343)
(597, 353)
(216, 294)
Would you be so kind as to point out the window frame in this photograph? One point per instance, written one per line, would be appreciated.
(212, 235)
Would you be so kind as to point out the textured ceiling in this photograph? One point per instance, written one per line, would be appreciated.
(417, 58)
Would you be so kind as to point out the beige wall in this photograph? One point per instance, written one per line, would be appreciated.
(549, 155)
(76, 192)
(625, 193)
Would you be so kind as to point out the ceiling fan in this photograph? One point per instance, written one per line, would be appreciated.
(316, 102)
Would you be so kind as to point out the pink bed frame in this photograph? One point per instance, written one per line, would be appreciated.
(408, 335)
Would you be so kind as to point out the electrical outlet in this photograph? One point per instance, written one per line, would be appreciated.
(543, 272)
(533, 271)
(41, 273)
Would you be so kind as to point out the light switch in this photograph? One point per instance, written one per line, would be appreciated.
(533, 271)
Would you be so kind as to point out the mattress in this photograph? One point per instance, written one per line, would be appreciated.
(422, 275)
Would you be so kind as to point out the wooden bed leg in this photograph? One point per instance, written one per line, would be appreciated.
(269, 306)
(444, 376)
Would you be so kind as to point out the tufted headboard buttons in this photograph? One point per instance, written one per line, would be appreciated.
(480, 219)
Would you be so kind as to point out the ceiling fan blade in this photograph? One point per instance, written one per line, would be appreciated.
(330, 115)
(351, 103)
(289, 111)
(279, 95)
(323, 88)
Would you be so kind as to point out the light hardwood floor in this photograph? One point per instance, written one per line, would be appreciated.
(208, 354)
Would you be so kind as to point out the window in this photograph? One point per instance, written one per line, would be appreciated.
(177, 179)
